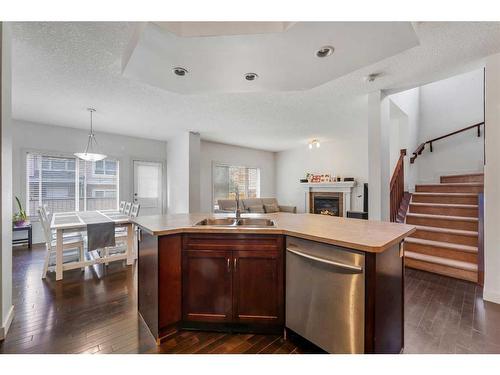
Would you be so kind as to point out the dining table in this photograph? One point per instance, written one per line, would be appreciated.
(78, 221)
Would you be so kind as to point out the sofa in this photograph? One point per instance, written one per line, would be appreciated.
(254, 205)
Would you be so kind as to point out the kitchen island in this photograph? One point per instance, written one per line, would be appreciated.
(337, 282)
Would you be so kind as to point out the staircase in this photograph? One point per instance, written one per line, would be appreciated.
(446, 217)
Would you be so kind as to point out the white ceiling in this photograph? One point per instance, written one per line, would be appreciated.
(59, 69)
(284, 61)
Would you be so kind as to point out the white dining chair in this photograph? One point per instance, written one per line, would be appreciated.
(73, 247)
(134, 210)
(128, 207)
(122, 206)
(122, 234)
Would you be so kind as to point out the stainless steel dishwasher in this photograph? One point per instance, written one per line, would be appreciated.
(325, 295)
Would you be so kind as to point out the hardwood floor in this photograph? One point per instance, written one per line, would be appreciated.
(96, 312)
(446, 315)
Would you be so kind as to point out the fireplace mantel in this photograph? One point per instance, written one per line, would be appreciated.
(344, 187)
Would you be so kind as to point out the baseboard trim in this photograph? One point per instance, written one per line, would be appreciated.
(491, 296)
(5, 328)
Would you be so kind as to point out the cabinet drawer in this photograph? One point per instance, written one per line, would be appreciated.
(226, 241)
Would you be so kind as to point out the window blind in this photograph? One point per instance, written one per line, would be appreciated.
(70, 184)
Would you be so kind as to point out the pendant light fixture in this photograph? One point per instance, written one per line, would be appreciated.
(90, 153)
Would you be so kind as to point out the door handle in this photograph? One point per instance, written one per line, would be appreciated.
(235, 262)
(349, 267)
(228, 265)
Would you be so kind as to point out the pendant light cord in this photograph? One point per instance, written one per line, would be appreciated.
(91, 137)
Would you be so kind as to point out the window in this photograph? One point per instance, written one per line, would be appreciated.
(105, 167)
(226, 178)
(103, 193)
(70, 184)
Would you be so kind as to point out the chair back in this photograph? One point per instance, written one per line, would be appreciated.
(45, 227)
(127, 208)
(134, 211)
(43, 210)
(122, 206)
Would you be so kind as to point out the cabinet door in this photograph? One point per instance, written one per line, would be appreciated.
(258, 286)
(206, 285)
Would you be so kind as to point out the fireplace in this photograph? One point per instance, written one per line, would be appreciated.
(326, 203)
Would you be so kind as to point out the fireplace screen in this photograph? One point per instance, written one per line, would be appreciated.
(326, 204)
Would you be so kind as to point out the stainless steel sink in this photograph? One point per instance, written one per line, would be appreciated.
(253, 222)
(233, 222)
(227, 222)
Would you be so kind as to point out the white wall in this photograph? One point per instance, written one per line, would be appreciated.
(378, 122)
(194, 172)
(344, 155)
(6, 307)
(29, 136)
(183, 180)
(407, 121)
(445, 106)
(492, 182)
(233, 155)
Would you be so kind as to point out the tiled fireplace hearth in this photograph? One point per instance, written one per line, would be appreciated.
(333, 198)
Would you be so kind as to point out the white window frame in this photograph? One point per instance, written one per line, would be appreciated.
(25, 152)
(104, 169)
(225, 164)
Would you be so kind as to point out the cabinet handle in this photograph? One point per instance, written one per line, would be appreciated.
(235, 263)
(228, 265)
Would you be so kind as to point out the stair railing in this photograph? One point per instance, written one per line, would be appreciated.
(397, 186)
(421, 147)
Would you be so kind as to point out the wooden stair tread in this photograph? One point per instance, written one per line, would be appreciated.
(445, 193)
(457, 205)
(429, 216)
(454, 184)
(442, 261)
(464, 175)
(446, 245)
(462, 232)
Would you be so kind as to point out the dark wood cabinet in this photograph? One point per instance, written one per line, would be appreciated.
(234, 279)
(258, 286)
(207, 285)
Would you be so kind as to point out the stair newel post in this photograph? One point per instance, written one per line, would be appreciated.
(397, 187)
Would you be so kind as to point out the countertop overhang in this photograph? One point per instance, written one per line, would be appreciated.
(364, 235)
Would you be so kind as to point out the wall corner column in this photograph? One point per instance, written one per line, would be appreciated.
(492, 181)
(6, 307)
(378, 156)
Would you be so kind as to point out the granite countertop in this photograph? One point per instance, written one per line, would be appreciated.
(365, 235)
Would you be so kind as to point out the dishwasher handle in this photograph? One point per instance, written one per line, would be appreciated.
(348, 267)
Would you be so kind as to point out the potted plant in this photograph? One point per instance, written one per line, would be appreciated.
(20, 217)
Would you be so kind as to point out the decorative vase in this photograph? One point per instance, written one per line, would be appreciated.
(19, 223)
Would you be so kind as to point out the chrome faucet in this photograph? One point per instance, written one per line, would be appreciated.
(237, 211)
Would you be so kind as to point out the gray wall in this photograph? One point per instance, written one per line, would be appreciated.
(29, 136)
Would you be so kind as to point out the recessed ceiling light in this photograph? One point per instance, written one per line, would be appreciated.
(325, 51)
(372, 77)
(180, 71)
(251, 76)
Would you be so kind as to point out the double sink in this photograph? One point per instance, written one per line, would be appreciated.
(234, 222)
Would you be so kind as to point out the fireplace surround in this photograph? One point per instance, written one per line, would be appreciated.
(343, 189)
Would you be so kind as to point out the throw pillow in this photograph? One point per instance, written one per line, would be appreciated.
(256, 209)
(270, 208)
